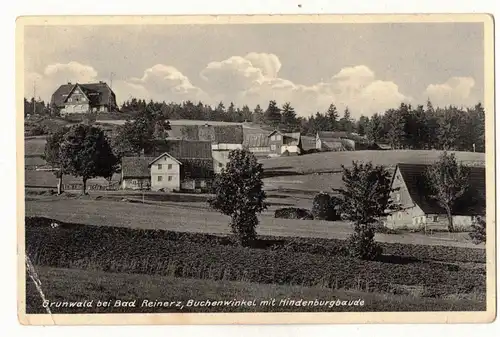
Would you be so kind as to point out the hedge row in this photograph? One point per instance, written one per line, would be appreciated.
(146, 252)
(327, 247)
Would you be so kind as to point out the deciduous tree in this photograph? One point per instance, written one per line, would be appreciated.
(364, 199)
(447, 180)
(239, 194)
(85, 152)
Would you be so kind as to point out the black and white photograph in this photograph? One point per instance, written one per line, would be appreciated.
(256, 165)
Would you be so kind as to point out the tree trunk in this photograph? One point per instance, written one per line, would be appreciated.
(450, 220)
(84, 190)
(59, 185)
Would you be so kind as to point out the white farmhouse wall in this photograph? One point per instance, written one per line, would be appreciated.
(165, 173)
(290, 148)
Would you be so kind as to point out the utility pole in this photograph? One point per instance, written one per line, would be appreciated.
(111, 87)
(34, 95)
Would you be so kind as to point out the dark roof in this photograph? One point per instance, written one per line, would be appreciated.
(98, 93)
(256, 140)
(325, 135)
(136, 167)
(473, 202)
(216, 134)
(183, 149)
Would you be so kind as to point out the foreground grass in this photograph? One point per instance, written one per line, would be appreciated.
(80, 285)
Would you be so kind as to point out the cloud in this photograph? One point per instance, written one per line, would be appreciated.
(55, 75)
(162, 82)
(255, 79)
(456, 91)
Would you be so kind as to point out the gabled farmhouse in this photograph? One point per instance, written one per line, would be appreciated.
(135, 173)
(223, 139)
(289, 143)
(418, 209)
(182, 165)
(276, 143)
(84, 98)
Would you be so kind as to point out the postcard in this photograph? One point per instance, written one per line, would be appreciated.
(256, 169)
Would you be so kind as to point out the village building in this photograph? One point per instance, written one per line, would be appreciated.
(223, 139)
(417, 209)
(275, 144)
(84, 98)
(135, 173)
(258, 144)
(334, 141)
(182, 165)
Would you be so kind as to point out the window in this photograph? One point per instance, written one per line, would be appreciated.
(400, 216)
(160, 178)
(169, 178)
(435, 218)
(273, 137)
(169, 166)
(273, 147)
(398, 197)
(160, 166)
(278, 137)
(70, 99)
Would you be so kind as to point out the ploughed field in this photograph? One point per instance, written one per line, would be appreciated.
(414, 271)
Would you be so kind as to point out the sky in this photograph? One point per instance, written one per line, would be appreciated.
(368, 67)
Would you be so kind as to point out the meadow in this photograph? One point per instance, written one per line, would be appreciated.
(147, 211)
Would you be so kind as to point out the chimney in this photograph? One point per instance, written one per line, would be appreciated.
(69, 82)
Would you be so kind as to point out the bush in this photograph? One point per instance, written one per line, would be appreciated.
(324, 207)
(293, 213)
(38, 130)
(361, 245)
(478, 234)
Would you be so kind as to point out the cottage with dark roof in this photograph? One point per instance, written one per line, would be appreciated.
(135, 173)
(418, 210)
(223, 139)
(84, 98)
(181, 165)
(274, 144)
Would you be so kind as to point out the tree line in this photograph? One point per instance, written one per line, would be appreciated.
(405, 127)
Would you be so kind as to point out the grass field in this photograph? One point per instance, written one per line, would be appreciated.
(34, 146)
(47, 179)
(197, 217)
(73, 285)
(332, 161)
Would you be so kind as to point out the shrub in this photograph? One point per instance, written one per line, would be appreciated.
(293, 213)
(324, 207)
(38, 130)
(362, 245)
(478, 234)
